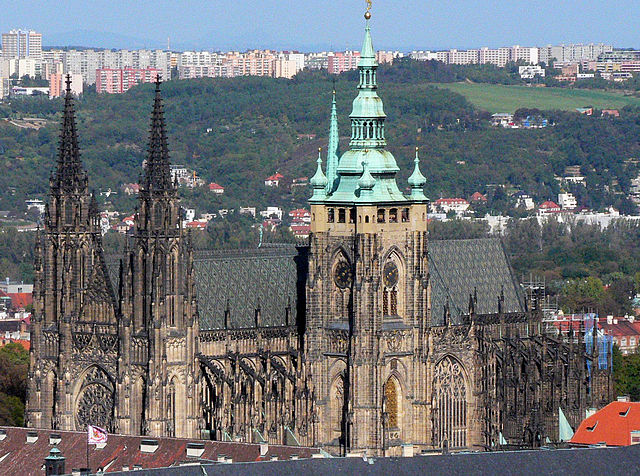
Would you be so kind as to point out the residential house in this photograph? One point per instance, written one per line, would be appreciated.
(477, 197)
(617, 424)
(274, 180)
(272, 212)
(567, 201)
(457, 205)
(215, 188)
(300, 215)
(548, 208)
(625, 332)
(130, 188)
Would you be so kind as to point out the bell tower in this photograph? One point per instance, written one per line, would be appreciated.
(367, 288)
(159, 328)
(74, 341)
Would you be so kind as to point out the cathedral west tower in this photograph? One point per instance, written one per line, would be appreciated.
(367, 284)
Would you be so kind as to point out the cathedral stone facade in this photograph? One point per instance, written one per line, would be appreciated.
(371, 338)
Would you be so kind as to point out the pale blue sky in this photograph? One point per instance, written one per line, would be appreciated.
(314, 24)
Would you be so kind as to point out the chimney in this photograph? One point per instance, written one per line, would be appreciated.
(3, 434)
(609, 320)
(407, 450)
(221, 458)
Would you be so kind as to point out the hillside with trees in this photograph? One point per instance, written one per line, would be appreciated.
(238, 131)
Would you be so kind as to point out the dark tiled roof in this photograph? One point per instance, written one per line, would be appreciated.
(21, 458)
(244, 281)
(586, 461)
(460, 267)
(272, 279)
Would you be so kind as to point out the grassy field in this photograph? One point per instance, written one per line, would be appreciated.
(500, 98)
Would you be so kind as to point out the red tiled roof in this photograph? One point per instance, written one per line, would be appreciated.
(611, 425)
(478, 197)
(196, 224)
(24, 343)
(27, 458)
(276, 176)
(549, 205)
(20, 300)
(450, 201)
(215, 186)
(300, 212)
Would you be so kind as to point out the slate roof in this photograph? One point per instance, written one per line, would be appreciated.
(585, 461)
(460, 267)
(17, 457)
(243, 281)
(272, 279)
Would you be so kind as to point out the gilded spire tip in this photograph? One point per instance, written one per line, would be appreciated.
(367, 14)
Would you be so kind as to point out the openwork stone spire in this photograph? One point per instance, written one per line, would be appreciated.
(70, 176)
(158, 172)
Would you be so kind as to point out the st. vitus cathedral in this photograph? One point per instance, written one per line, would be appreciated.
(369, 338)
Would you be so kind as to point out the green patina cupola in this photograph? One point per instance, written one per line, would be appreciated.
(417, 181)
(367, 145)
(319, 181)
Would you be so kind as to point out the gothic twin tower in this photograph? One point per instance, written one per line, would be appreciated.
(371, 338)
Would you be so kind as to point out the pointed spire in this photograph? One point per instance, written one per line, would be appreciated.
(417, 181)
(319, 181)
(69, 175)
(158, 172)
(334, 143)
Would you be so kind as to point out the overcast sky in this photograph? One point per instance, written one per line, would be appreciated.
(316, 24)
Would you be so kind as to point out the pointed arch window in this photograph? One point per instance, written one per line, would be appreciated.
(391, 403)
(449, 404)
(68, 213)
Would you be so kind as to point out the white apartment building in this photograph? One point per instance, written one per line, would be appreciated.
(530, 71)
(567, 201)
(572, 53)
(86, 62)
(22, 44)
(498, 56)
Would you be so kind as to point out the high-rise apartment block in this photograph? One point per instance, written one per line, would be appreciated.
(87, 62)
(57, 84)
(343, 61)
(25, 45)
(573, 52)
(22, 44)
(116, 81)
(497, 56)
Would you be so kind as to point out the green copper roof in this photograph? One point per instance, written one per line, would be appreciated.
(368, 145)
(417, 181)
(319, 181)
(332, 151)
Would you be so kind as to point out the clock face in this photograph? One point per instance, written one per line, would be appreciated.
(390, 274)
(342, 275)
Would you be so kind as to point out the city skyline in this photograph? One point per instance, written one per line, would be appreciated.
(291, 25)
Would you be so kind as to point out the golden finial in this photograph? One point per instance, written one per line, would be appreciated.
(367, 14)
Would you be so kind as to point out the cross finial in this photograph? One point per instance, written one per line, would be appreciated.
(367, 14)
